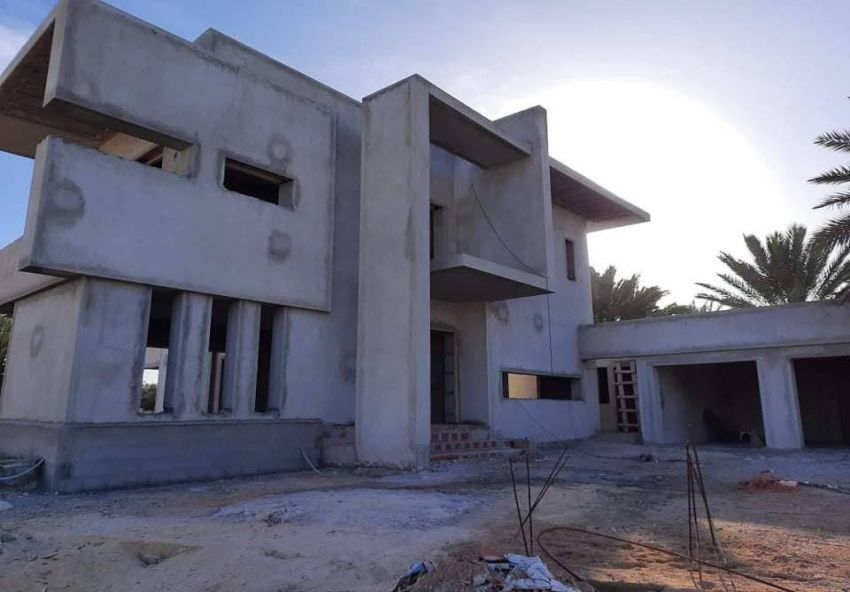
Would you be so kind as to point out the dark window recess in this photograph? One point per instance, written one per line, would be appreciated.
(264, 360)
(156, 351)
(570, 251)
(254, 182)
(538, 386)
(218, 347)
(433, 223)
(602, 379)
(153, 158)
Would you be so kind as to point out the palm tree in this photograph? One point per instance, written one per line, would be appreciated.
(836, 232)
(5, 333)
(619, 300)
(787, 267)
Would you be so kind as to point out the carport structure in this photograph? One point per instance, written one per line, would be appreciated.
(774, 373)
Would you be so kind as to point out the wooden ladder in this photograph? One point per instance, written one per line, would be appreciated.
(626, 394)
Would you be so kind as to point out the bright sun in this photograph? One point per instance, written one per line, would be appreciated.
(701, 180)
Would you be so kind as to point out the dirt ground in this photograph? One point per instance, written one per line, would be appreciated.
(360, 529)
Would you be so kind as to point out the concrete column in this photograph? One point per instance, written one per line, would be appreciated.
(650, 403)
(392, 415)
(779, 406)
(159, 405)
(109, 354)
(187, 384)
(280, 348)
(240, 363)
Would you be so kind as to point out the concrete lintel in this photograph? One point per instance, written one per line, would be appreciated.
(790, 325)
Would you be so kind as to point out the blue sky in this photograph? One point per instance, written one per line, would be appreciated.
(700, 112)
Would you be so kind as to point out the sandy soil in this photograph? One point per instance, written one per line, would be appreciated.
(361, 529)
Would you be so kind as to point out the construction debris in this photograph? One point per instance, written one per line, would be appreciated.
(518, 572)
(416, 571)
(766, 480)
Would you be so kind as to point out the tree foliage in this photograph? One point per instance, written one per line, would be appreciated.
(787, 267)
(622, 299)
(836, 232)
(5, 333)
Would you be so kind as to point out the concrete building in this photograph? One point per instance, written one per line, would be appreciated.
(226, 265)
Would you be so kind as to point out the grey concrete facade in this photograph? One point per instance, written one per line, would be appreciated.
(283, 257)
(771, 339)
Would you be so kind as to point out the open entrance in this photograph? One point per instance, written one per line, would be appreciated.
(443, 377)
(711, 403)
(824, 400)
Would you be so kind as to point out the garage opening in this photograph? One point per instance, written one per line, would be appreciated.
(707, 403)
(824, 400)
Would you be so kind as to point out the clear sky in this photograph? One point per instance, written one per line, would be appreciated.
(702, 113)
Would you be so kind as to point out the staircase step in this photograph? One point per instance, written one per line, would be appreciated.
(504, 452)
(469, 441)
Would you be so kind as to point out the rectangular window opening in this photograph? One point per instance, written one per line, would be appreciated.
(570, 251)
(516, 385)
(154, 377)
(262, 398)
(258, 183)
(216, 402)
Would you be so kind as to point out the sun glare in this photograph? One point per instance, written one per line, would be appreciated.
(702, 181)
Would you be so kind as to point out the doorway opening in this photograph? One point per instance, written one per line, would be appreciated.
(824, 400)
(715, 402)
(444, 400)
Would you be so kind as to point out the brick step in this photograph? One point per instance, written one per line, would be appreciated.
(502, 452)
(462, 434)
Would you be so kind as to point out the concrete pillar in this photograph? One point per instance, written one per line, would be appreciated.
(779, 406)
(159, 404)
(240, 363)
(650, 403)
(277, 370)
(187, 385)
(392, 415)
(109, 353)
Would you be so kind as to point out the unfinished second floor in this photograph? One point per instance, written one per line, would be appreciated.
(208, 167)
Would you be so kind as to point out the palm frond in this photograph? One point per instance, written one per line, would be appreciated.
(833, 176)
(839, 141)
(839, 199)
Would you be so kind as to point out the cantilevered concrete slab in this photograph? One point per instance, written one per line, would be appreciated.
(601, 208)
(464, 278)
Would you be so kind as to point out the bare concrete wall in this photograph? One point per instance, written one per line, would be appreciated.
(393, 338)
(41, 355)
(162, 229)
(538, 334)
(318, 350)
(15, 284)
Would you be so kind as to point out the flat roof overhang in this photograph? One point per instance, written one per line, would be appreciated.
(34, 106)
(465, 278)
(601, 208)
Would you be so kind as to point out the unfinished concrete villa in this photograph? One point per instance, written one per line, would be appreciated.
(228, 268)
